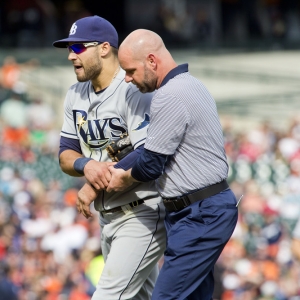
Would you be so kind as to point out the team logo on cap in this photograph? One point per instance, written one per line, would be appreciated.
(73, 29)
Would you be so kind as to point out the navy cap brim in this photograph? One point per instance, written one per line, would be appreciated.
(64, 43)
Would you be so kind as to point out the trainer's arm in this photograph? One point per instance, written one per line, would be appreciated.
(128, 161)
(148, 166)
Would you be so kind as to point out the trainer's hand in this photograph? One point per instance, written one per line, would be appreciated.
(120, 180)
(97, 173)
(85, 197)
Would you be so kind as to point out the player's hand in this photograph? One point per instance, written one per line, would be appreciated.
(85, 197)
(97, 173)
(120, 180)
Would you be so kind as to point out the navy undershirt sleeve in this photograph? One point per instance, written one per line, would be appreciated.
(149, 166)
(69, 144)
(128, 161)
(146, 165)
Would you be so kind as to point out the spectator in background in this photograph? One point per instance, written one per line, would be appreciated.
(253, 25)
(72, 11)
(276, 13)
(13, 113)
(295, 243)
(230, 10)
(41, 118)
(176, 26)
(10, 73)
(28, 21)
(203, 25)
(8, 290)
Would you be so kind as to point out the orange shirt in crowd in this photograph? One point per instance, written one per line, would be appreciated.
(9, 73)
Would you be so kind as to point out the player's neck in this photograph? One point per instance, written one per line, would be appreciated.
(106, 77)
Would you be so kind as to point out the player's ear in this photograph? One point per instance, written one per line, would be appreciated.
(151, 59)
(104, 48)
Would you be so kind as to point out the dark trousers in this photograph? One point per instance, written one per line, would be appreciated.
(196, 237)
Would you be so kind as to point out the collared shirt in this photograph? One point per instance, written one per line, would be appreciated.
(185, 125)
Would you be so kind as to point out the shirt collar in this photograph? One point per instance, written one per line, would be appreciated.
(174, 72)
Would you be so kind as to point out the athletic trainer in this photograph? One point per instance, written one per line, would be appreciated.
(99, 108)
(184, 153)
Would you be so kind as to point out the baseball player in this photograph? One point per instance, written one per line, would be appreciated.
(99, 109)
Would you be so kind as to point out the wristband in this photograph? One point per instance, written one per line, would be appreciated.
(80, 163)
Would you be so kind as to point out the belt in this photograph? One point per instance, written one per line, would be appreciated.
(120, 208)
(178, 203)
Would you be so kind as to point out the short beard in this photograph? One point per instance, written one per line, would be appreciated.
(92, 70)
(149, 82)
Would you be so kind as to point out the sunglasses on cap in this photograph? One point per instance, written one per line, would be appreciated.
(79, 48)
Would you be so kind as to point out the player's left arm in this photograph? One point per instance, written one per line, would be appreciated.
(86, 195)
(120, 180)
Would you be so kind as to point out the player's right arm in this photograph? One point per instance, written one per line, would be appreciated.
(66, 162)
(69, 151)
(87, 194)
(73, 163)
(69, 148)
(72, 160)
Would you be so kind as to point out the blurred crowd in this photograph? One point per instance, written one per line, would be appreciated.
(50, 252)
(260, 261)
(47, 250)
(36, 23)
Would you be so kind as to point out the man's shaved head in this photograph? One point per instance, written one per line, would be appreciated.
(141, 42)
(145, 59)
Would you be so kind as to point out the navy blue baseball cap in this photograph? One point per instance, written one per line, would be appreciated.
(90, 29)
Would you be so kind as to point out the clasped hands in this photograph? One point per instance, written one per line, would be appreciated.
(100, 176)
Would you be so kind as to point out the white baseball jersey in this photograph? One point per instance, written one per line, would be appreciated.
(95, 119)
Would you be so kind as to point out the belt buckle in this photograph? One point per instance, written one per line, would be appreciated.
(110, 211)
(178, 203)
(126, 209)
(175, 206)
(135, 203)
(186, 201)
(169, 202)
